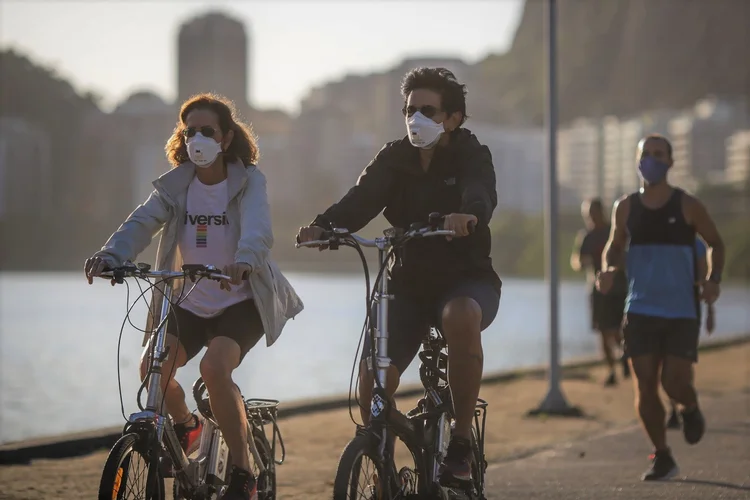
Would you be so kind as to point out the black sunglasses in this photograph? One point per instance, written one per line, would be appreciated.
(206, 131)
(428, 110)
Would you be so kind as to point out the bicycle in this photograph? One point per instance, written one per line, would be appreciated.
(149, 434)
(425, 430)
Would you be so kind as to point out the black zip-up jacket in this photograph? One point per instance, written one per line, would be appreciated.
(461, 179)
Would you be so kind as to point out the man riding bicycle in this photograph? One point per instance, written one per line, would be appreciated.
(448, 283)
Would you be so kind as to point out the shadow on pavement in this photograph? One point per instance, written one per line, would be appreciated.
(717, 484)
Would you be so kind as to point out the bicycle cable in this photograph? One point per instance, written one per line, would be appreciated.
(354, 376)
(182, 297)
(129, 308)
(367, 326)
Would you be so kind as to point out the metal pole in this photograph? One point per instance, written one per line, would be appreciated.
(554, 402)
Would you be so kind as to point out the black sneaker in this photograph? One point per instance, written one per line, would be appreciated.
(693, 425)
(674, 420)
(456, 466)
(242, 486)
(662, 467)
(611, 380)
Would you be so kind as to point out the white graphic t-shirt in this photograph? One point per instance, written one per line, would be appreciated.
(205, 240)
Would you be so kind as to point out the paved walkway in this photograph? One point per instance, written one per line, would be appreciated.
(609, 466)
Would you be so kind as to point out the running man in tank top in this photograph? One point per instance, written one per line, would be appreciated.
(657, 227)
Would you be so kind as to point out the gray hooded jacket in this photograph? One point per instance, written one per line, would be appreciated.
(164, 211)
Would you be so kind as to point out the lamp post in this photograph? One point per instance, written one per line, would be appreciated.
(554, 403)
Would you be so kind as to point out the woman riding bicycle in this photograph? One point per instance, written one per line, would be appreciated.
(211, 208)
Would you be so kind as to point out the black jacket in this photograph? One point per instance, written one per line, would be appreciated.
(461, 179)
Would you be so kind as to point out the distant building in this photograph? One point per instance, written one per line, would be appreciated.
(213, 57)
(149, 123)
(25, 170)
(579, 159)
(518, 155)
(699, 141)
(738, 158)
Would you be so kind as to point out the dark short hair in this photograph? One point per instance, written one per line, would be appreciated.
(442, 81)
(662, 138)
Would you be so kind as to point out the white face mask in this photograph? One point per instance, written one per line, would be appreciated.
(202, 150)
(423, 132)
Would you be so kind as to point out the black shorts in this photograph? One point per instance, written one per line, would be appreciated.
(240, 322)
(606, 311)
(662, 336)
(410, 318)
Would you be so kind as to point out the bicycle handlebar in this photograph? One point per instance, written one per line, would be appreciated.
(389, 240)
(343, 233)
(144, 271)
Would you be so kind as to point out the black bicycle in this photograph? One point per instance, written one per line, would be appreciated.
(149, 449)
(426, 429)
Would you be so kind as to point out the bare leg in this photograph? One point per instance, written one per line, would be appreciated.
(462, 319)
(677, 380)
(648, 404)
(220, 360)
(608, 340)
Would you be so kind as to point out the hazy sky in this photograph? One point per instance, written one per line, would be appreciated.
(114, 47)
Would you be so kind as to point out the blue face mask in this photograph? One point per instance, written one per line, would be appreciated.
(652, 170)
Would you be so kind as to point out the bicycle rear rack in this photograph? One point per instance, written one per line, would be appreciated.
(261, 412)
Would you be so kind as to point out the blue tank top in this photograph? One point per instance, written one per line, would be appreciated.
(661, 260)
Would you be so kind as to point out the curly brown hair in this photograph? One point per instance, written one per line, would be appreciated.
(244, 145)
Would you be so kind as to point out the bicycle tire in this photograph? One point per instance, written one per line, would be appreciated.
(110, 486)
(350, 461)
(267, 478)
(478, 466)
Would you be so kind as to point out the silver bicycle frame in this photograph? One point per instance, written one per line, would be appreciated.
(154, 402)
(154, 395)
(381, 331)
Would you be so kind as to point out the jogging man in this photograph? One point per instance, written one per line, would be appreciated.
(658, 225)
(606, 309)
(450, 283)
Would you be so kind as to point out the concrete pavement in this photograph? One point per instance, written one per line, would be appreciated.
(609, 466)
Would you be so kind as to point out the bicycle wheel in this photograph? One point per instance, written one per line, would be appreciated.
(267, 478)
(125, 462)
(352, 479)
(478, 466)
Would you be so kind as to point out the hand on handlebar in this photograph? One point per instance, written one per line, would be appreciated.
(461, 224)
(94, 267)
(311, 233)
(238, 271)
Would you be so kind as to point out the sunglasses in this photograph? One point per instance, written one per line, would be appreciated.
(206, 131)
(428, 110)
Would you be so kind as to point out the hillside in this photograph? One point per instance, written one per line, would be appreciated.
(620, 57)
